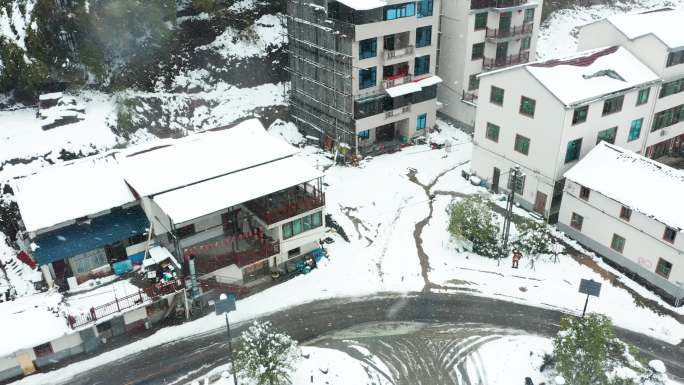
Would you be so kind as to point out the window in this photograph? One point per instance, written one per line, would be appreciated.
(642, 97)
(580, 115)
(675, 58)
(424, 36)
(43, 350)
(425, 8)
(663, 268)
(527, 106)
(613, 105)
(492, 132)
(584, 193)
(618, 243)
(368, 48)
(625, 213)
(300, 225)
(670, 234)
(529, 15)
(572, 153)
(364, 134)
(668, 117)
(422, 65)
(400, 10)
(497, 96)
(421, 122)
(635, 129)
(367, 77)
(481, 20)
(671, 88)
(473, 82)
(185, 231)
(607, 135)
(522, 144)
(519, 185)
(525, 43)
(294, 252)
(478, 51)
(576, 221)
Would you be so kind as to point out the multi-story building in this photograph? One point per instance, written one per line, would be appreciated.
(479, 36)
(545, 116)
(655, 38)
(363, 71)
(628, 209)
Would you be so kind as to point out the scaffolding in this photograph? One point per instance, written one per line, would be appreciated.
(320, 67)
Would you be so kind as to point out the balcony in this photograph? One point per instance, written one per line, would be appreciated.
(480, 4)
(391, 81)
(244, 253)
(469, 96)
(497, 34)
(397, 53)
(492, 63)
(288, 203)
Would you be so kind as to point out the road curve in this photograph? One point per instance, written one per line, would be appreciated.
(170, 363)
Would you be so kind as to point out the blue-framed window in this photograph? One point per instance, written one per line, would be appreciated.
(424, 36)
(400, 10)
(421, 122)
(368, 48)
(635, 129)
(425, 8)
(364, 134)
(422, 65)
(368, 77)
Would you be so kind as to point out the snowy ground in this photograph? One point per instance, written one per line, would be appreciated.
(558, 33)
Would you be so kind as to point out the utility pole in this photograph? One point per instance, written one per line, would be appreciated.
(508, 217)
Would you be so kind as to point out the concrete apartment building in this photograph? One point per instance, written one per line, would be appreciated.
(545, 116)
(655, 38)
(363, 71)
(605, 209)
(479, 36)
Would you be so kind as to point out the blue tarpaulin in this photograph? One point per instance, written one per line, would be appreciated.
(79, 238)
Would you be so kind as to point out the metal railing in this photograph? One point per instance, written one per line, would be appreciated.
(142, 297)
(399, 52)
(497, 33)
(469, 96)
(263, 249)
(520, 58)
(390, 82)
(479, 4)
(278, 213)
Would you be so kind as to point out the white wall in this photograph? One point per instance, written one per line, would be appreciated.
(643, 235)
(307, 241)
(8, 362)
(134, 315)
(66, 342)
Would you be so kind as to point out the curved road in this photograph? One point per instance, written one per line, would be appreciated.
(170, 363)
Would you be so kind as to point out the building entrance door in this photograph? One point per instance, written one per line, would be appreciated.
(495, 180)
(540, 203)
(385, 133)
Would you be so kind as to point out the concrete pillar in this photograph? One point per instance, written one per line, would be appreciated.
(48, 274)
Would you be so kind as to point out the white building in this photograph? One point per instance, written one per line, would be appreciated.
(656, 38)
(629, 209)
(479, 36)
(545, 116)
(237, 199)
(363, 71)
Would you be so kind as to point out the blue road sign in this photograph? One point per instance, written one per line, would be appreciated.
(590, 287)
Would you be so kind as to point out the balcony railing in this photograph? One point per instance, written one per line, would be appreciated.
(288, 203)
(392, 81)
(400, 52)
(398, 111)
(262, 249)
(491, 63)
(497, 33)
(469, 96)
(479, 4)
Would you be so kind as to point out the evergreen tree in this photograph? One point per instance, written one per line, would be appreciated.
(534, 238)
(471, 219)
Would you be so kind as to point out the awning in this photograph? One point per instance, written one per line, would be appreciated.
(404, 89)
(198, 200)
(79, 238)
(429, 81)
(157, 255)
(363, 5)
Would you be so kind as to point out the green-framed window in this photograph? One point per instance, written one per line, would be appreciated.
(580, 115)
(635, 129)
(300, 225)
(481, 20)
(573, 150)
(492, 132)
(496, 96)
(642, 97)
(607, 135)
(527, 106)
(522, 144)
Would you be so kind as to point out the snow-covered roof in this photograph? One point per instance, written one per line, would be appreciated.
(363, 5)
(403, 89)
(232, 189)
(61, 193)
(51, 96)
(664, 24)
(429, 81)
(166, 165)
(591, 74)
(642, 184)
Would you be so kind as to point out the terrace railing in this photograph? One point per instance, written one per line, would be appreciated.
(520, 58)
(479, 4)
(496, 33)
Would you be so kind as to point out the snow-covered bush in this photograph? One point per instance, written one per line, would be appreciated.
(588, 353)
(534, 239)
(266, 356)
(472, 220)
